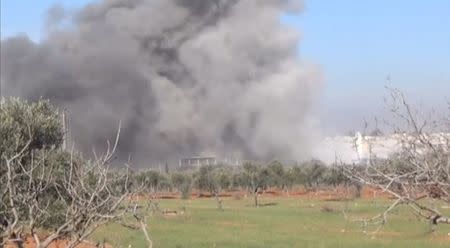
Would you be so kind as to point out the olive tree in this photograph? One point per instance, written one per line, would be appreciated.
(206, 179)
(45, 187)
(277, 174)
(183, 183)
(256, 178)
(314, 172)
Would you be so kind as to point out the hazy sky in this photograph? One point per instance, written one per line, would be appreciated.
(357, 43)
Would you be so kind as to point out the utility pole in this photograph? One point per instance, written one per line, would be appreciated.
(63, 117)
(66, 129)
(1, 91)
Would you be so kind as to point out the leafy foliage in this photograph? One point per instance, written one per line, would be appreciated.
(42, 186)
(21, 122)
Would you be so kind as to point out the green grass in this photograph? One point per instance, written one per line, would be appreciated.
(293, 222)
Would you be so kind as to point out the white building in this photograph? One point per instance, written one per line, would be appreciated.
(360, 148)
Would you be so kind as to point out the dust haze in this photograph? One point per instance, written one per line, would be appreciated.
(183, 76)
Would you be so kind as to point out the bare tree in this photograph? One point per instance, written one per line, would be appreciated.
(418, 174)
(57, 191)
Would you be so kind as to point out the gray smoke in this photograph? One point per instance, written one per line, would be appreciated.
(183, 76)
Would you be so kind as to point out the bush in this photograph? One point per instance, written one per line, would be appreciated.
(21, 122)
(149, 180)
(183, 183)
(314, 172)
(35, 130)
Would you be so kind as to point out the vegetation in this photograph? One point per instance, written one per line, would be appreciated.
(44, 188)
(293, 222)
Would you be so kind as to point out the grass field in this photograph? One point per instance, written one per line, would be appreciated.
(292, 222)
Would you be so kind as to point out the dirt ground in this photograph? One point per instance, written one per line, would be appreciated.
(326, 194)
(29, 243)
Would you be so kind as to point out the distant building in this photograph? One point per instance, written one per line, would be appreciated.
(362, 148)
(197, 161)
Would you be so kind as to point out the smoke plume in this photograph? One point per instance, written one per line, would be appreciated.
(183, 76)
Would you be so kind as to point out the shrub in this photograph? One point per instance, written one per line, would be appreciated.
(20, 122)
(183, 183)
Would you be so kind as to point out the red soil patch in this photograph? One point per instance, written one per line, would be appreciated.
(168, 197)
(369, 192)
(325, 194)
(274, 192)
(341, 193)
(60, 243)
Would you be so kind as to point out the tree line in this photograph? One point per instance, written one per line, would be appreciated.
(46, 187)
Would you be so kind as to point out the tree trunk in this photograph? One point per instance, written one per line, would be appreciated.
(442, 219)
(144, 230)
(17, 241)
(47, 241)
(437, 219)
(219, 201)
